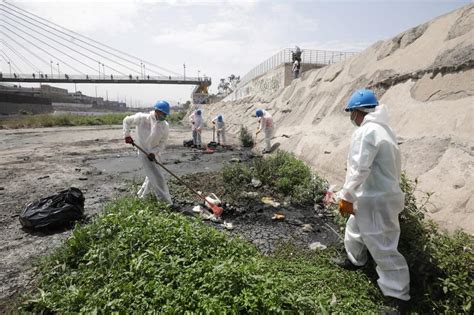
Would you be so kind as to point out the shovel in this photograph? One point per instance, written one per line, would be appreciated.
(215, 208)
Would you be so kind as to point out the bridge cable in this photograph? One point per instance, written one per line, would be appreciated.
(26, 48)
(48, 53)
(50, 47)
(25, 60)
(13, 64)
(67, 40)
(92, 40)
(64, 45)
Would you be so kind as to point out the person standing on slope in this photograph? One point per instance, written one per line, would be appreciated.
(371, 195)
(265, 125)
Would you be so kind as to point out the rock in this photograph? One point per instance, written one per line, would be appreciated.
(83, 178)
(256, 183)
(317, 246)
(77, 169)
(307, 228)
(43, 177)
(2, 188)
(327, 152)
(227, 225)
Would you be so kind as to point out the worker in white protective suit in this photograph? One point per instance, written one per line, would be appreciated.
(152, 131)
(196, 124)
(372, 196)
(219, 124)
(265, 125)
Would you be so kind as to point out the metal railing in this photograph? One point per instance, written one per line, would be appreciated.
(111, 78)
(308, 56)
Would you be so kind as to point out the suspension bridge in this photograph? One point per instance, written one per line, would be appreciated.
(35, 50)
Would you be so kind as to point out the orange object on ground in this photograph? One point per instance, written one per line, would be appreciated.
(215, 208)
(346, 207)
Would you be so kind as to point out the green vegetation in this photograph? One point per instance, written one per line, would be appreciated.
(48, 120)
(282, 173)
(245, 137)
(175, 117)
(441, 265)
(139, 257)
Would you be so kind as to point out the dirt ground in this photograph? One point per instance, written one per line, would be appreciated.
(35, 163)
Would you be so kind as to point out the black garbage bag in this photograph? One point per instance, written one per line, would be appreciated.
(187, 143)
(54, 211)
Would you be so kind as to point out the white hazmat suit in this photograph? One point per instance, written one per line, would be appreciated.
(197, 124)
(152, 136)
(373, 185)
(266, 125)
(220, 129)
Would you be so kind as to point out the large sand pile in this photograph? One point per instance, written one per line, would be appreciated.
(425, 76)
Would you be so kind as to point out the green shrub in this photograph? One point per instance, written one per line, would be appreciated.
(139, 258)
(236, 177)
(441, 265)
(290, 177)
(175, 117)
(245, 137)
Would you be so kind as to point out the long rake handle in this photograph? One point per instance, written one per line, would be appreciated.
(172, 174)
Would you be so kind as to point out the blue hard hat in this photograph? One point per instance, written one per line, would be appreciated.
(362, 98)
(198, 112)
(259, 112)
(162, 106)
(220, 118)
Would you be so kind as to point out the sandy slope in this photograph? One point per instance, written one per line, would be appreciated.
(425, 76)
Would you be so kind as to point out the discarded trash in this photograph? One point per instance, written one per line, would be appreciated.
(197, 209)
(327, 152)
(333, 300)
(212, 198)
(2, 188)
(317, 245)
(278, 216)
(227, 225)
(55, 210)
(270, 201)
(82, 178)
(204, 214)
(234, 160)
(307, 228)
(43, 177)
(329, 197)
(256, 183)
(250, 194)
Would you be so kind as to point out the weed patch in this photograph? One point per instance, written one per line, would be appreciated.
(139, 257)
(245, 137)
(46, 120)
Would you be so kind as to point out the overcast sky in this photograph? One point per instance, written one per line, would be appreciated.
(219, 38)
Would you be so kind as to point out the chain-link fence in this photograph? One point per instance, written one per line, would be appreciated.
(308, 56)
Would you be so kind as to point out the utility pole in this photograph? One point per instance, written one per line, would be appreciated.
(107, 95)
(9, 64)
(141, 69)
(51, 68)
(198, 73)
(184, 68)
(75, 88)
(96, 91)
(99, 69)
(144, 73)
(103, 68)
(59, 73)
